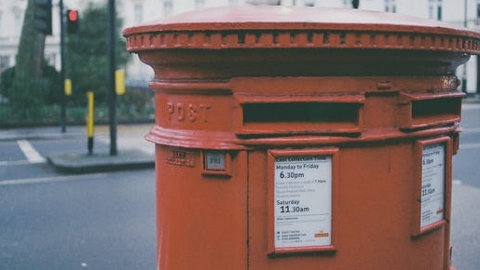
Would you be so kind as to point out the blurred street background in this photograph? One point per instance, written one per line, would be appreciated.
(53, 52)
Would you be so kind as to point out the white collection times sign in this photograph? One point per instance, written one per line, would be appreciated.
(433, 184)
(303, 201)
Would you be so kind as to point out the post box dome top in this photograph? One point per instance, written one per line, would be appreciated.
(299, 27)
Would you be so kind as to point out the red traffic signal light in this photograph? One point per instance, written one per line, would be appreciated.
(72, 21)
(72, 15)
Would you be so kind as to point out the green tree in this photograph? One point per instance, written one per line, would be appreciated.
(30, 56)
(87, 54)
(28, 82)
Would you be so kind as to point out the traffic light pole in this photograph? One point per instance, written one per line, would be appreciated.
(464, 71)
(111, 78)
(63, 112)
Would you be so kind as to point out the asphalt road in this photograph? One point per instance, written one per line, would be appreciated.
(55, 221)
(93, 221)
(466, 164)
(466, 193)
(50, 220)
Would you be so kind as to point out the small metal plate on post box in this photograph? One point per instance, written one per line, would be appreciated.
(214, 161)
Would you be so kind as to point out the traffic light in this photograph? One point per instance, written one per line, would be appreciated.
(72, 21)
(42, 10)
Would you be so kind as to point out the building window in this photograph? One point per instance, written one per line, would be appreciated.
(435, 9)
(51, 59)
(199, 4)
(265, 2)
(167, 8)
(478, 12)
(138, 11)
(1, 21)
(17, 15)
(4, 62)
(390, 6)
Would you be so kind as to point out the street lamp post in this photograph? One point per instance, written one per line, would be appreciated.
(63, 112)
(111, 78)
(464, 74)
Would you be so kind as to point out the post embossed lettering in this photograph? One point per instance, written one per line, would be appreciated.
(192, 112)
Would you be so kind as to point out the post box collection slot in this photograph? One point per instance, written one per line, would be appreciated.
(297, 117)
(300, 112)
(431, 112)
(425, 110)
(443, 108)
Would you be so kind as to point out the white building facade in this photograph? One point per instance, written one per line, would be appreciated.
(464, 13)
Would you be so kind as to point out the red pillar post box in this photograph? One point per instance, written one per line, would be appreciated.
(303, 138)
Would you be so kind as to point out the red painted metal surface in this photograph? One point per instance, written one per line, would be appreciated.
(372, 97)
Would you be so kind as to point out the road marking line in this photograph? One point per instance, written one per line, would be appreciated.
(46, 180)
(468, 130)
(469, 145)
(469, 106)
(30, 153)
(14, 162)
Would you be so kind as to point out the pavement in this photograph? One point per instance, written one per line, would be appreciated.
(133, 151)
(472, 99)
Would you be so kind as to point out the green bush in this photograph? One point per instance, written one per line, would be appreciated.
(27, 95)
(137, 103)
(32, 105)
